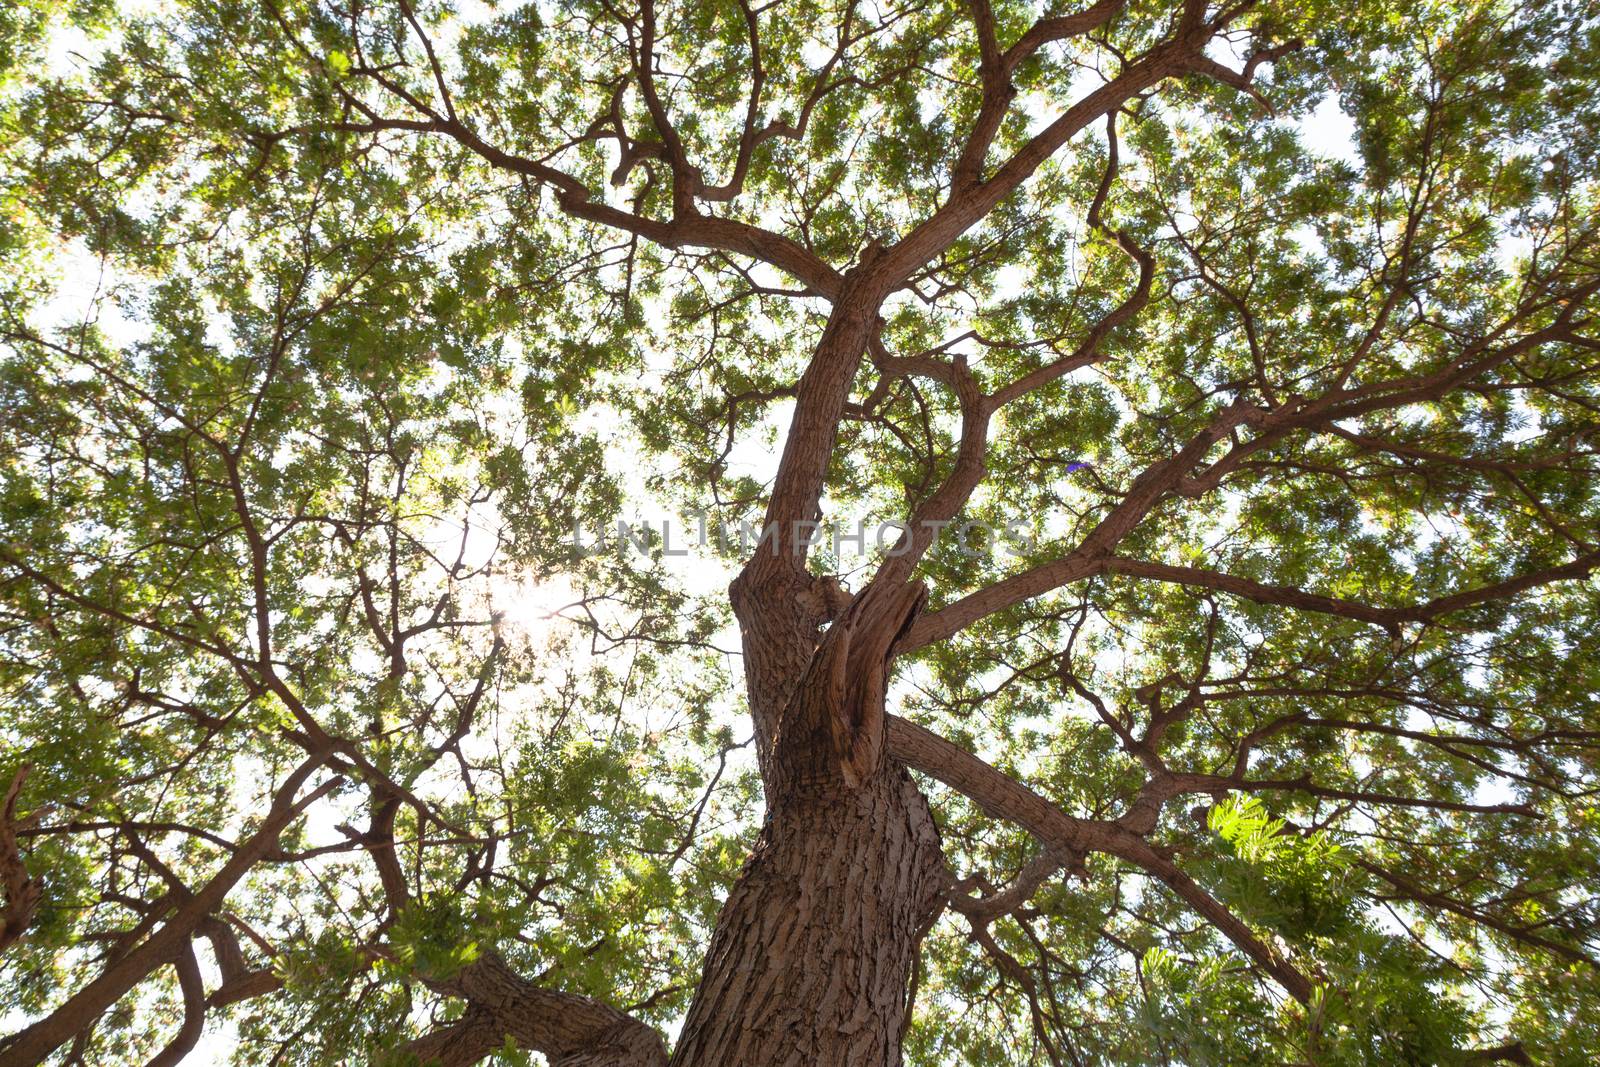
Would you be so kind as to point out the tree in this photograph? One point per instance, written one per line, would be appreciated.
(1224, 694)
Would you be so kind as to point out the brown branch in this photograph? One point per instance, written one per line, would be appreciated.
(995, 69)
(567, 1029)
(999, 795)
(1228, 924)
(239, 982)
(981, 911)
(1416, 893)
(22, 893)
(1476, 359)
(1089, 558)
(194, 1010)
(1171, 785)
(1244, 80)
(1367, 443)
(748, 134)
(1088, 351)
(1059, 28)
(1287, 596)
(1272, 425)
(1004, 798)
(966, 473)
(460, 1043)
(34, 1044)
(687, 229)
(820, 399)
(968, 204)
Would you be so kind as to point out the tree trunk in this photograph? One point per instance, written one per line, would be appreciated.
(813, 950)
(812, 955)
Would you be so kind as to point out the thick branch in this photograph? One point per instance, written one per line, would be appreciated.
(568, 1030)
(970, 203)
(1416, 893)
(996, 68)
(1272, 425)
(1090, 557)
(461, 1043)
(688, 228)
(981, 911)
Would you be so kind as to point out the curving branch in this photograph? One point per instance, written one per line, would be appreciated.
(461, 1043)
(1088, 350)
(978, 409)
(1089, 558)
(1005, 798)
(194, 1010)
(970, 202)
(1412, 891)
(1180, 475)
(567, 1029)
(981, 911)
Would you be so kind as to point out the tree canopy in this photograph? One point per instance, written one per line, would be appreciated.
(1227, 377)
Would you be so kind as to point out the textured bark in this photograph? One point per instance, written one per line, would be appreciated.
(814, 948)
(813, 951)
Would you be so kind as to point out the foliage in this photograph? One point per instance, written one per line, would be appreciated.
(325, 324)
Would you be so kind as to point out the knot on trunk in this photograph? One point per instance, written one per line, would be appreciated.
(833, 727)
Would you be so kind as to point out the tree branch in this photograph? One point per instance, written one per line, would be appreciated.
(970, 203)
(34, 1044)
(194, 1010)
(1286, 596)
(22, 893)
(1004, 798)
(568, 1030)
